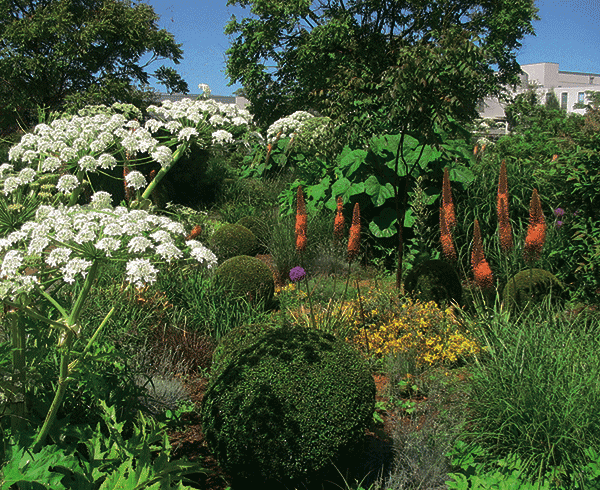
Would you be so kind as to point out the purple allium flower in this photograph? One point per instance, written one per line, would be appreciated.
(559, 212)
(559, 224)
(297, 274)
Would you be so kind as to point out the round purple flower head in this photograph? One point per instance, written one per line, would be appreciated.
(559, 224)
(559, 212)
(297, 274)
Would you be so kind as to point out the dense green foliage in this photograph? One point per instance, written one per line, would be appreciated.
(248, 277)
(350, 60)
(434, 280)
(65, 54)
(286, 405)
(231, 240)
(259, 229)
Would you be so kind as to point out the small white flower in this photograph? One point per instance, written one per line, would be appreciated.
(37, 245)
(153, 125)
(73, 267)
(101, 200)
(217, 120)
(51, 164)
(168, 251)
(139, 244)
(106, 161)
(88, 163)
(173, 126)
(221, 137)
(11, 263)
(135, 180)
(27, 175)
(5, 167)
(67, 183)
(68, 154)
(11, 184)
(186, 134)
(140, 272)
(201, 253)
(58, 256)
(108, 244)
(29, 156)
(162, 155)
(87, 234)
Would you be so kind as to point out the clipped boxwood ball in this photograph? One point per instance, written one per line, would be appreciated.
(260, 229)
(531, 286)
(232, 240)
(286, 406)
(236, 339)
(247, 276)
(434, 280)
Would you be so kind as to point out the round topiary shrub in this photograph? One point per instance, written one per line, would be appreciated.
(236, 339)
(284, 407)
(434, 280)
(532, 286)
(232, 240)
(247, 276)
(260, 229)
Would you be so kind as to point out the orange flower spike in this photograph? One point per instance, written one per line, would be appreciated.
(446, 237)
(482, 272)
(447, 202)
(301, 221)
(338, 225)
(554, 158)
(196, 230)
(536, 233)
(506, 237)
(354, 240)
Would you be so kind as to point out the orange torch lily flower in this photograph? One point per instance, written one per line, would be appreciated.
(482, 272)
(446, 237)
(338, 224)
(301, 221)
(506, 236)
(447, 202)
(354, 240)
(536, 233)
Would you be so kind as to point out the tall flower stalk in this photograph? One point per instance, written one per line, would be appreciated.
(505, 230)
(339, 222)
(482, 273)
(448, 203)
(446, 237)
(301, 222)
(536, 232)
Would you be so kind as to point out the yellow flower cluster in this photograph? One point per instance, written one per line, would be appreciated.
(431, 334)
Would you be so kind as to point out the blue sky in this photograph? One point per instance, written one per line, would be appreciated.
(568, 34)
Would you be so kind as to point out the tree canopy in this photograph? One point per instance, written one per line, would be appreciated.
(377, 65)
(59, 52)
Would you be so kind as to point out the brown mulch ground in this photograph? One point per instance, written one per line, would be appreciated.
(190, 442)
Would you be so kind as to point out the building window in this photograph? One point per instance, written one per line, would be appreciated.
(581, 98)
(564, 99)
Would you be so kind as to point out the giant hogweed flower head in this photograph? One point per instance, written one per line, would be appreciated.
(288, 126)
(482, 272)
(80, 235)
(506, 236)
(536, 232)
(354, 239)
(301, 221)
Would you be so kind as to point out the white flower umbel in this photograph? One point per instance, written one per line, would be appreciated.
(73, 238)
(100, 200)
(222, 137)
(287, 126)
(141, 272)
(135, 180)
(67, 183)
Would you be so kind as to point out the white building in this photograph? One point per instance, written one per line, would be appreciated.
(568, 86)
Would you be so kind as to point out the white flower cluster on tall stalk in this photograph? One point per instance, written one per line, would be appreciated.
(287, 126)
(186, 113)
(67, 240)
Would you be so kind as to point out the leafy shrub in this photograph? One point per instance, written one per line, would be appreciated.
(532, 286)
(434, 280)
(285, 406)
(260, 229)
(231, 240)
(247, 276)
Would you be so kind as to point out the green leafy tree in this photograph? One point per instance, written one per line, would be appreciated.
(59, 53)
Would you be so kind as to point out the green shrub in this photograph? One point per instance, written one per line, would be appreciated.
(232, 240)
(287, 405)
(260, 229)
(235, 340)
(434, 280)
(247, 276)
(532, 286)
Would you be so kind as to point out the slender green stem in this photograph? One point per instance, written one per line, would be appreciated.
(74, 364)
(163, 171)
(63, 379)
(35, 315)
(312, 313)
(19, 408)
(87, 285)
(75, 194)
